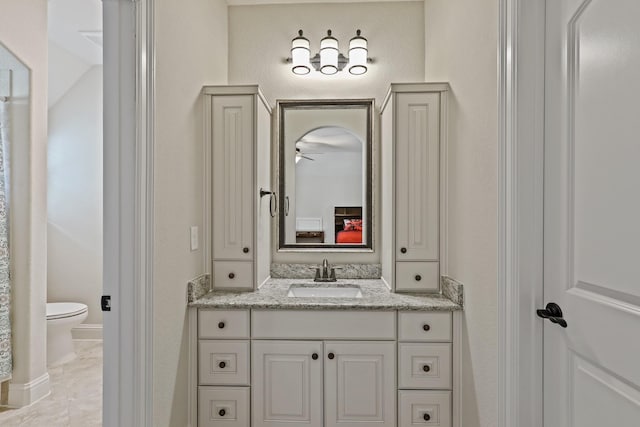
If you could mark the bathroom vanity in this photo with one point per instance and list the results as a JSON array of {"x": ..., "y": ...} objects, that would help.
[{"x": 271, "y": 347}]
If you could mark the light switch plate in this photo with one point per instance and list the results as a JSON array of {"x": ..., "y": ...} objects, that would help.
[{"x": 194, "y": 238}]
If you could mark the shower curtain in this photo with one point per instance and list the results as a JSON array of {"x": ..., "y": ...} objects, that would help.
[{"x": 5, "y": 287}]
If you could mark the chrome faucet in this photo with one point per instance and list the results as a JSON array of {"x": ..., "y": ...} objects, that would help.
[{"x": 327, "y": 274}]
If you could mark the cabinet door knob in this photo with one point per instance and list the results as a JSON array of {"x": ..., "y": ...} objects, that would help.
[
  {"x": 221, "y": 325},
  {"x": 331, "y": 356},
  {"x": 232, "y": 275},
  {"x": 403, "y": 250},
  {"x": 426, "y": 327},
  {"x": 245, "y": 250},
  {"x": 222, "y": 412},
  {"x": 222, "y": 365},
  {"x": 418, "y": 277},
  {"x": 426, "y": 417},
  {"x": 426, "y": 368},
  {"x": 314, "y": 356}
]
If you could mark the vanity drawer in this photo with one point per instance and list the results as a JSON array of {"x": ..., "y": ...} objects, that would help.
[
  {"x": 417, "y": 276},
  {"x": 424, "y": 365},
  {"x": 296, "y": 324},
  {"x": 424, "y": 326},
  {"x": 233, "y": 275},
  {"x": 424, "y": 408},
  {"x": 223, "y": 406},
  {"x": 223, "y": 362},
  {"x": 223, "y": 324}
]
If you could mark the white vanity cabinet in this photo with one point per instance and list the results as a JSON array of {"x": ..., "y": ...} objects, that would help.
[
  {"x": 255, "y": 368},
  {"x": 237, "y": 146},
  {"x": 287, "y": 383},
  {"x": 413, "y": 132},
  {"x": 289, "y": 378}
]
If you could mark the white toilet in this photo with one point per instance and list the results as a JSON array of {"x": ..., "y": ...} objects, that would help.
[{"x": 61, "y": 318}]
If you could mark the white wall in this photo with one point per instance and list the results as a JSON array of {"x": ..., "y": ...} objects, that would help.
[
  {"x": 65, "y": 69},
  {"x": 191, "y": 51},
  {"x": 461, "y": 47},
  {"x": 74, "y": 203},
  {"x": 331, "y": 179},
  {"x": 23, "y": 31},
  {"x": 260, "y": 39}
]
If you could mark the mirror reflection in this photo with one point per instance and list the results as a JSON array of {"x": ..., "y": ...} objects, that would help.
[{"x": 325, "y": 174}]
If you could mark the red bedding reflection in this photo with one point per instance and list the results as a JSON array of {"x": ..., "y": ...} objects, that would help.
[{"x": 351, "y": 236}]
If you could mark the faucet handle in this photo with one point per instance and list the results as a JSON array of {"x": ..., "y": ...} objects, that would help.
[
  {"x": 333, "y": 274},
  {"x": 317, "y": 273}
]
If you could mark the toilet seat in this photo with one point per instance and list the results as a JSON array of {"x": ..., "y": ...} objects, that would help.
[{"x": 62, "y": 310}]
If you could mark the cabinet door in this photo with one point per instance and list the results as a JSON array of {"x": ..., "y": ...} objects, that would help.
[
  {"x": 287, "y": 383},
  {"x": 417, "y": 176},
  {"x": 360, "y": 383},
  {"x": 233, "y": 180}
]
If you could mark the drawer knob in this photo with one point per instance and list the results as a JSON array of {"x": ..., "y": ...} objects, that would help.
[
  {"x": 222, "y": 412},
  {"x": 403, "y": 250},
  {"x": 221, "y": 325},
  {"x": 426, "y": 417},
  {"x": 426, "y": 368},
  {"x": 222, "y": 365},
  {"x": 426, "y": 327},
  {"x": 418, "y": 277},
  {"x": 331, "y": 356},
  {"x": 314, "y": 356},
  {"x": 245, "y": 250},
  {"x": 232, "y": 275}
]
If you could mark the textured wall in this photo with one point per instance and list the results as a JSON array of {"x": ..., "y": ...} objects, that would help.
[
  {"x": 260, "y": 39},
  {"x": 191, "y": 51},
  {"x": 461, "y": 47}
]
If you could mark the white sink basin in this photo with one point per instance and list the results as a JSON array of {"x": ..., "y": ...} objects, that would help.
[{"x": 324, "y": 291}]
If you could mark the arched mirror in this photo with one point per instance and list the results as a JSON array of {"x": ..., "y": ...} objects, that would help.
[{"x": 325, "y": 161}]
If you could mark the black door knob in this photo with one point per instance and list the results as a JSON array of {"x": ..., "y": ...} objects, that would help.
[
  {"x": 552, "y": 312},
  {"x": 245, "y": 250},
  {"x": 221, "y": 325},
  {"x": 418, "y": 277},
  {"x": 232, "y": 275},
  {"x": 426, "y": 368},
  {"x": 426, "y": 417},
  {"x": 314, "y": 356},
  {"x": 426, "y": 327},
  {"x": 222, "y": 365},
  {"x": 222, "y": 412},
  {"x": 331, "y": 356},
  {"x": 403, "y": 250}
]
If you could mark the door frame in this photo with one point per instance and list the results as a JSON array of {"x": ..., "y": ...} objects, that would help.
[
  {"x": 129, "y": 64},
  {"x": 129, "y": 226},
  {"x": 521, "y": 80}
]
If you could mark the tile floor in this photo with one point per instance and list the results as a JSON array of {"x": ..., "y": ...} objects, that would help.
[{"x": 76, "y": 394}]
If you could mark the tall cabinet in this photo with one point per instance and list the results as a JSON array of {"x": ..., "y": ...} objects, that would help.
[
  {"x": 238, "y": 121},
  {"x": 413, "y": 141}
]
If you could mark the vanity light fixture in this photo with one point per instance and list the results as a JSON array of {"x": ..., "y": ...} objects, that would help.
[
  {"x": 329, "y": 60},
  {"x": 300, "y": 54}
]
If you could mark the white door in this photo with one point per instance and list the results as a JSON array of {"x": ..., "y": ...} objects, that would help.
[
  {"x": 287, "y": 383},
  {"x": 592, "y": 213},
  {"x": 360, "y": 384}
]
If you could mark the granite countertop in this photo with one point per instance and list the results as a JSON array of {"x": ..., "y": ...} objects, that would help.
[{"x": 375, "y": 296}]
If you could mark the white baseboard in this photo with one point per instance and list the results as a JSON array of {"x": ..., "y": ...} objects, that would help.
[
  {"x": 25, "y": 394},
  {"x": 87, "y": 331}
]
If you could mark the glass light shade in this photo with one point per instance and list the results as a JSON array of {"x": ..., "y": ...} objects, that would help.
[
  {"x": 358, "y": 54},
  {"x": 300, "y": 54},
  {"x": 329, "y": 54}
]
